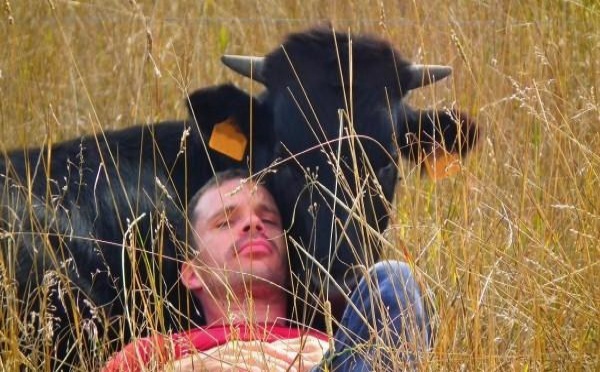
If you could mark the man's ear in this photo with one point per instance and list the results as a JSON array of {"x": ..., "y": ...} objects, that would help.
[{"x": 190, "y": 277}]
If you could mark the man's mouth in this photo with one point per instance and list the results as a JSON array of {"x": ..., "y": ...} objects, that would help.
[{"x": 255, "y": 247}]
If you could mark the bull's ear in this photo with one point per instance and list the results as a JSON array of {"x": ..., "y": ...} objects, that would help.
[
  {"x": 235, "y": 123},
  {"x": 223, "y": 115},
  {"x": 213, "y": 105},
  {"x": 422, "y": 132},
  {"x": 458, "y": 132}
]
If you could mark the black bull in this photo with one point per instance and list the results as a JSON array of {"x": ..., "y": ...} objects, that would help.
[{"x": 99, "y": 217}]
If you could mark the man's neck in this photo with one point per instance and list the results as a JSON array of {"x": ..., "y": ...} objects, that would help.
[{"x": 261, "y": 305}]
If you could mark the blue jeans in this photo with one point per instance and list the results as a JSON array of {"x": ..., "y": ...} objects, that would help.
[{"x": 385, "y": 327}]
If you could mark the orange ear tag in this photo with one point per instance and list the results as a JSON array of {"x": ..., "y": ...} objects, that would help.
[
  {"x": 227, "y": 139},
  {"x": 441, "y": 164}
]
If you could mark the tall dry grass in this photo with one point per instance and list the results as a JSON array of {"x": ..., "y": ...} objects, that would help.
[{"x": 509, "y": 247}]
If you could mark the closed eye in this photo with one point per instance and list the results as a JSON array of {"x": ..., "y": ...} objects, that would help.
[
  {"x": 223, "y": 222},
  {"x": 271, "y": 220}
]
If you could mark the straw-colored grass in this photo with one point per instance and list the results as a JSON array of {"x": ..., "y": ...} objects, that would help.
[{"x": 510, "y": 246}]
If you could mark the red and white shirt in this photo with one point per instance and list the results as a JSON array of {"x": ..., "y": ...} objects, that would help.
[{"x": 300, "y": 345}]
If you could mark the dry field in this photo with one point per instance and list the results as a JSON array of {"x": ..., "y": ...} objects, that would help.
[{"x": 510, "y": 246}]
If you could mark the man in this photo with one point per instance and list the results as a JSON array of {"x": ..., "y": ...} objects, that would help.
[{"x": 239, "y": 272}]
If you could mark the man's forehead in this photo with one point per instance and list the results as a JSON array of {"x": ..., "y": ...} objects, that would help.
[{"x": 229, "y": 192}]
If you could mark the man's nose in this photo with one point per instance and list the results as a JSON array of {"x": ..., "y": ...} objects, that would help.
[{"x": 253, "y": 223}]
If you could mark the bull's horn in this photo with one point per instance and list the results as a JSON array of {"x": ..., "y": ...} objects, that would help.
[
  {"x": 423, "y": 75},
  {"x": 251, "y": 67}
]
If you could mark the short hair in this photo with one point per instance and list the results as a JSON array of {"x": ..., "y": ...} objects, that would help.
[{"x": 215, "y": 181}]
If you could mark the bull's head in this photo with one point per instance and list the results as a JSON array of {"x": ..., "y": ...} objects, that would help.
[{"x": 339, "y": 120}]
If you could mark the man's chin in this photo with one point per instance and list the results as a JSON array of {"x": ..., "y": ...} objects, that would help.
[
  {"x": 257, "y": 267},
  {"x": 262, "y": 271}
]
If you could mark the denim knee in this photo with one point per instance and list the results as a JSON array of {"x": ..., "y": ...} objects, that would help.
[
  {"x": 393, "y": 269},
  {"x": 398, "y": 287},
  {"x": 387, "y": 303}
]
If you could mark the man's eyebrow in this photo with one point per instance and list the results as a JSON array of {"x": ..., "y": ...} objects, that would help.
[
  {"x": 226, "y": 210},
  {"x": 267, "y": 207}
]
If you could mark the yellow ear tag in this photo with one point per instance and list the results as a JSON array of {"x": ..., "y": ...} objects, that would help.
[
  {"x": 441, "y": 164},
  {"x": 227, "y": 139}
]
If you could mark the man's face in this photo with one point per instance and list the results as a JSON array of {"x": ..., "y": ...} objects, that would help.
[{"x": 239, "y": 236}]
